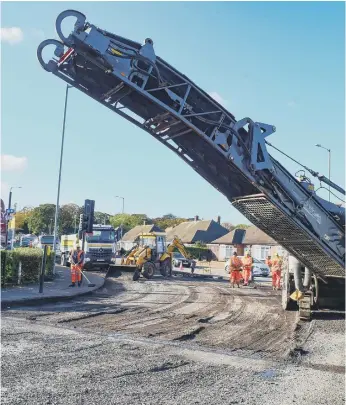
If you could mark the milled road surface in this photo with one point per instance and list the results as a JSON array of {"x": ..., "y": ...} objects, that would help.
[{"x": 178, "y": 341}]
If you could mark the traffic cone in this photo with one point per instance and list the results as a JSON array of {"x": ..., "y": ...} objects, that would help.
[{"x": 181, "y": 266}]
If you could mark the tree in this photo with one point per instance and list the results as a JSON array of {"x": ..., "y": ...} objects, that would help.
[
  {"x": 242, "y": 226},
  {"x": 169, "y": 216},
  {"x": 68, "y": 218},
  {"x": 22, "y": 218},
  {"x": 168, "y": 221},
  {"x": 41, "y": 218},
  {"x": 101, "y": 218},
  {"x": 129, "y": 221},
  {"x": 228, "y": 226}
]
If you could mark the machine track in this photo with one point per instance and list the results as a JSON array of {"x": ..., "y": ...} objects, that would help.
[{"x": 209, "y": 313}]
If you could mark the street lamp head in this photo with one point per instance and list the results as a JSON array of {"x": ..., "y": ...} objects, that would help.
[{"x": 318, "y": 145}]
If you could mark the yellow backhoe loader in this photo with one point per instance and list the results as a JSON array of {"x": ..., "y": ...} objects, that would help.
[{"x": 151, "y": 254}]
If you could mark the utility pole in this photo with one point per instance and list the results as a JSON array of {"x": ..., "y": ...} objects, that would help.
[
  {"x": 60, "y": 167},
  {"x": 8, "y": 213}
]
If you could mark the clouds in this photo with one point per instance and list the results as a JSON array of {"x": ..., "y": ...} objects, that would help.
[
  {"x": 11, "y": 35},
  {"x": 10, "y": 163},
  {"x": 15, "y": 35},
  {"x": 216, "y": 96}
]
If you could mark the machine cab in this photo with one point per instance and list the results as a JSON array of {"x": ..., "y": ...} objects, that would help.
[{"x": 156, "y": 241}]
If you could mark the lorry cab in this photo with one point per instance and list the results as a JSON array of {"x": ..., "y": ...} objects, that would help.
[{"x": 100, "y": 247}]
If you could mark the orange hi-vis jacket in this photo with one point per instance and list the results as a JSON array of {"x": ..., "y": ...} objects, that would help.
[
  {"x": 236, "y": 263},
  {"x": 276, "y": 264},
  {"x": 247, "y": 263},
  {"x": 78, "y": 258}
]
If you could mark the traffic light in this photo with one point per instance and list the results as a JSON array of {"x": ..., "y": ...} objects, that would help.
[
  {"x": 81, "y": 221},
  {"x": 81, "y": 226},
  {"x": 88, "y": 215}
]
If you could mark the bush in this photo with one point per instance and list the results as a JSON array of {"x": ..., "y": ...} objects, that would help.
[
  {"x": 31, "y": 260},
  {"x": 198, "y": 253}
]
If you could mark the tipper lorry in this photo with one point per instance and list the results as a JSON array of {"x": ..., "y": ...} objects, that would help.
[{"x": 99, "y": 247}]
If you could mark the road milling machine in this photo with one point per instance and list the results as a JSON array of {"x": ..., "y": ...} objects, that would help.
[{"x": 232, "y": 155}]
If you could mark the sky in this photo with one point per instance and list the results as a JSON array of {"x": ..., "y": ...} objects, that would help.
[{"x": 280, "y": 63}]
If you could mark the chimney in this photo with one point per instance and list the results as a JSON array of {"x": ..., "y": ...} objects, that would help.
[
  {"x": 218, "y": 219},
  {"x": 196, "y": 218}
]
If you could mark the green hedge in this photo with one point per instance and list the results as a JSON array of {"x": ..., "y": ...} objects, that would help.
[
  {"x": 198, "y": 253},
  {"x": 31, "y": 260}
]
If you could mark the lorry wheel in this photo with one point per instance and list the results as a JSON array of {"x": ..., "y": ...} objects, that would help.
[
  {"x": 166, "y": 269},
  {"x": 148, "y": 270}
]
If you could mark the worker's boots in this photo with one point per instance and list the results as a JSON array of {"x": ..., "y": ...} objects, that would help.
[
  {"x": 79, "y": 283},
  {"x": 72, "y": 285}
]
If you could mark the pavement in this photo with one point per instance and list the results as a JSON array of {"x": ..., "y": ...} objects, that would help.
[{"x": 58, "y": 289}]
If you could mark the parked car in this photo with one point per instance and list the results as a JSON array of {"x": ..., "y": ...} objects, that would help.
[
  {"x": 179, "y": 258},
  {"x": 259, "y": 269}
]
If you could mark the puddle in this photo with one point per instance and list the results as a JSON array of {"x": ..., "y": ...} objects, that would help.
[{"x": 268, "y": 374}]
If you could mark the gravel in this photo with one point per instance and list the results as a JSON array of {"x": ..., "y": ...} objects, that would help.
[{"x": 46, "y": 360}]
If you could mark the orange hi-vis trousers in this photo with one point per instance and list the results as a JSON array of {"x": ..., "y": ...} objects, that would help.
[
  {"x": 276, "y": 278},
  {"x": 235, "y": 276},
  {"x": 76, "y": 273},
  {"x": 246, "y": 274}
]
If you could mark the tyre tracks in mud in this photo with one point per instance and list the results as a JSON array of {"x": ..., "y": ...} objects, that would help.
[{"x": 245, "y": 320}]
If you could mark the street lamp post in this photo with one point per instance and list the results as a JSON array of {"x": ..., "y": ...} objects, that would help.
[
  {"x": 9, "y": 207},
  {"x": 122, "y": 221},
  {"x": 59, "y": 180},
  {"x": 329, "y": 161}
]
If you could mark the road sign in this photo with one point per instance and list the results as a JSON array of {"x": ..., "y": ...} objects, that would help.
[{"x": 10, "y": 210}]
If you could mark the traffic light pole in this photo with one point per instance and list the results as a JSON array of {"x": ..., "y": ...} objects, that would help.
[{"x": 83, "y": 241}]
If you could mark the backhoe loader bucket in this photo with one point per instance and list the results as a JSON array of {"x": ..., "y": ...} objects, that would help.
[{"x": 116, "y": 270}]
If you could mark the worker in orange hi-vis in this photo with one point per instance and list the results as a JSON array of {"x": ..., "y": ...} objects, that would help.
[
  {"x": 77, "y": 259},
  {"x": 247, "y": 266},
  {"x": 269, "y": 263},
  {"x": 276, "y": 271},
  {"x": 235, "y": 265}
]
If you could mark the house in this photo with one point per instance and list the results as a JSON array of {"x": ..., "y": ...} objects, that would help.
[
  {"x": 224, "y": 247},
  {"x": 253, "y": 239},
  {"x": 197, "y": 230},
  {"x": 260, "y": 244},
  {"x": 127, "y": 241}
]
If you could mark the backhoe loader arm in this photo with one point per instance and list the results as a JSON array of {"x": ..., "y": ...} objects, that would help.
[{"x": 177, "y": 243}]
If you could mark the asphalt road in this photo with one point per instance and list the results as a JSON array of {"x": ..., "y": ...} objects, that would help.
[{"x": 178, "y": 341}]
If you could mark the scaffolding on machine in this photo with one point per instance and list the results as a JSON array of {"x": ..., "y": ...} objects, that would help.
[{"x": 230, "y": 154}]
